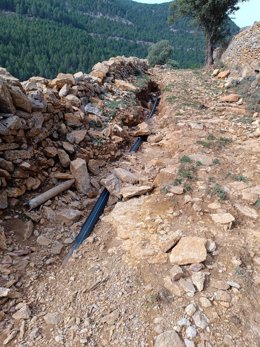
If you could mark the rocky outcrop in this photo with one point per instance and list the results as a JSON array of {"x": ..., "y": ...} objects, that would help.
[
  {"x": 243, "y": 53},
  {"x": 47, "y": 124}
]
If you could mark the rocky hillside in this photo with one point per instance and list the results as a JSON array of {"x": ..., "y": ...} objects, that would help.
[
  {"x": 174, "y": 260},
  {"x": 243, "y": 53},
  {"x": 44, "y": 38},
  {"x": 173, "y": 265}
]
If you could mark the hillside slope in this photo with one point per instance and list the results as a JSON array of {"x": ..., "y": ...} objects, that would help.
[
  {"x": 44, "y": 38},
  {"x": 130, "y": 285}
]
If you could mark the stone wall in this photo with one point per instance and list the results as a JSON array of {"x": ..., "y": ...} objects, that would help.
[{"x": 44, "y": 124}]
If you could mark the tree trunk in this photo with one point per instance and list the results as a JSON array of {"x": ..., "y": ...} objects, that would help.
[{"x": 210, "y": 50}]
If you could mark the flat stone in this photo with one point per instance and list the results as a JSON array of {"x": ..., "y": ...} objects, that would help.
[
  {"x": 176, "y": 273},
  {"x": 124, "y": 85},
  {"x": 3, "y": 199},
  {"x": 64, "y": 158},
  {"x": 170, "y": 242},
  {"x": 187, "y": 285},
  {"x": 222, "y": 218},
  {"x": 219, "y": 284},
  {"x": 73, "y": 119},
  {"x": 50, "y": 152},
  {"x": 189, "y": 343},
  {"x": 113, "y": 185},
  {"x": 28, "y": 230},
  {"x": 131, "y": 191},
  {"x": 198, "y": 279},
  {"x": 234, "y": 284},
  {"x": 18, "y": 154},
  {"x": 53, "y": 318},
  {"x": 166, "y": 176},
  {"x": 223, "y": 74},
  {"x": 16, "y": 192},
  {"x": 68, "y": 147},
  {"x": 89, "y": 108},
  {"x": 196, "y": 267},
  {"x": 191, "y": 332},
  {"x": 177, "y": 190},
  {"x": 214, "y": 206},
  {"x": 211, "y": 246},
  {"x": 247, "y": 211},
  {"x": 73, "y": 100},
  {"x": 142, "y": 130},
  {"x": 173, "y": 287},
  {"x": 168, "y": 339},
  {"x": 200, "y": 320},
  {"x": 215, "y": 72},
  {"x": 61, "y": 80},
  {"x": 222, "y": 295},
  {"x": 250, "y": 197},
  {"x": 79, "y": 171},
  {"x": 189, "y": 250},
  {"x": 4, "y": 292},
  {"x": 204, "y": 302},
  {"x": 126, "y": 176},
  {"x": 183, "y": 322},
  {"x": 64, "y": 91},
  {"x": 76, "y": 136},
  {"x": 230, "y": 98},
  {"x": 43, "y": 241},
  {"x": 32, "y": 183},
  {"x": 68, "y": 216},
  {"x": 56, "y": 248},
  {"x": 23, "y": 313},
  {"x": 190, "y": 310},
  {"x": 20, "y": 99},
  {"x": 6, "y": 102},
  {"x": 6, "y": 165}
]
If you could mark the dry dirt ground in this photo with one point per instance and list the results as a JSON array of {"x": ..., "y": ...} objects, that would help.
[{"x": 121, "y": 288}]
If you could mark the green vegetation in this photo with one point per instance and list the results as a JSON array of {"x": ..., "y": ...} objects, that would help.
[
  {"x": 237, "y": 177},
  {"x": 215, "y": 143},
  {"x": 171, "y": 99},
  {"x": 141, "y": 81},
  {"x": 159, "y": 53},
  {"x": 46, "y": 37},
  {"x": 186, "y": 173},
  {"x": 211, "y": 15},
  {"x": 185, "y": 159},
  {"x": 168, "y": 88},
  {"x": 216, "y": 161},
  {"x": 257, "y": 204},
  {"x": 219, "y": 191},
  {"x": 173, "y": 64}
]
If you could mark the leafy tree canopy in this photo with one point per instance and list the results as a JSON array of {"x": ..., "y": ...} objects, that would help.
[
  {"x": 211, "y": 15},
  {"x": 159, "y": 53}
]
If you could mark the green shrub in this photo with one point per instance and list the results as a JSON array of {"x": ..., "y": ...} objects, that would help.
[{"x": 159, "y": 53}]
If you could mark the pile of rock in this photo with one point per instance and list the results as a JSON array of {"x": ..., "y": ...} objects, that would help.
[
  {"x": 45, "y": 124},
  {"x": 243, "y": 53}
]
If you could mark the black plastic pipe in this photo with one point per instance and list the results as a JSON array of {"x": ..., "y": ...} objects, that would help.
[{"x": 100, "y": 205}]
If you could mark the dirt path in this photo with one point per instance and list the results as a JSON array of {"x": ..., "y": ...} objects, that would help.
[{"x": 124, "y": 286}]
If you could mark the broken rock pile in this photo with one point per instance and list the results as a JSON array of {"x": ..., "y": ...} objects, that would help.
[{"x": 45, "y": 125}]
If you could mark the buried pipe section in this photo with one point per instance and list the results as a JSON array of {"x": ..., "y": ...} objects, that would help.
[{"x": 100, "y": 205}]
